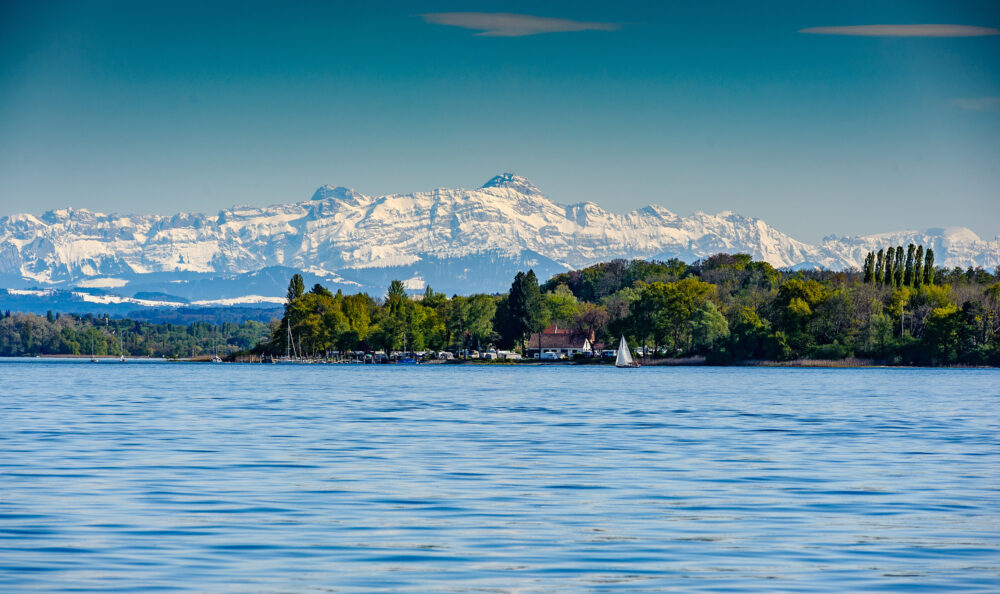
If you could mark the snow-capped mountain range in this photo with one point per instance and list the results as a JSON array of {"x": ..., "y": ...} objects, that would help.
[{"x": 459, "y": 241}]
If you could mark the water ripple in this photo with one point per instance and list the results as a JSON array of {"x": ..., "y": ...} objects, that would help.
[{"x": 528, "y": 479}]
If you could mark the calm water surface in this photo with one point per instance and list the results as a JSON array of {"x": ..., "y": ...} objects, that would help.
[{"x": 144, "y": 476}]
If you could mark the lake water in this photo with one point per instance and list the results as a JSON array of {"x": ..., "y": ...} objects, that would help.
[{"x": 270, "y": 478}]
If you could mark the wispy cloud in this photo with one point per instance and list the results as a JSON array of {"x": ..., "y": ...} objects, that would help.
[
  {"x": 904, "y": 31},
  {"x": 505, "y": 24},
  {"x": 977, "y": 104}
]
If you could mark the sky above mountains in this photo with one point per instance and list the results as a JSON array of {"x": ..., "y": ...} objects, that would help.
[{"x": 819, "y": 117}]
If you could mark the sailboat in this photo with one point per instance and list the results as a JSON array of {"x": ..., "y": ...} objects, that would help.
[
  {"x": 624, "y": 358},
  {"x": 292, "y": 354},
  {"x": 216, "y": 358},
  {"x": 405, "y": 359},
  {"x": 93, "y": 357},
  {"x": 121, "y": 346}
]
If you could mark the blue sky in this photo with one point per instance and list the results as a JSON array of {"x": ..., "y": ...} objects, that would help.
[{"x": 171, "y": 106}]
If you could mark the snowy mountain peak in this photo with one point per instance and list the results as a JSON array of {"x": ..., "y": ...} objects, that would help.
[
  {"x": 513, "y": 181},
  {"x": 458, "y": 240},
  {"x": 957, "y": 234},
  {"x": 338, "y": 192}
]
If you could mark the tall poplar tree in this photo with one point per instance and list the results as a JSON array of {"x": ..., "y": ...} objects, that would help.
[
  {"x": 911, "y": 250},
  {"x": 890, "y": 259},
  {"x": 929, "y": 267},
  {"x": 897, "y": 267},
  {"x": 879, "y": 267},
  {"x": 918, "y": 267},
  {"x": 869, "y": 267}
]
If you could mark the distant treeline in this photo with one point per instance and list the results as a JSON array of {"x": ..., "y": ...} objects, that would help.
[
  {"x": 59, "y": 334},
  {"x": 728, "y": 308}
]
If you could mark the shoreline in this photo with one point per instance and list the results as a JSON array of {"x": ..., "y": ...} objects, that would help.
[
  {"x": 88, "y": 356},
  {"x": 698, "y": 361}
]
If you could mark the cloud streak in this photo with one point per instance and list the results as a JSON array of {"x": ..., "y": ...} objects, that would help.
[
  {"x": 505, "y": 24},
  {"x": 977, "y": 104},
  {"x": 904, "y": 31}
]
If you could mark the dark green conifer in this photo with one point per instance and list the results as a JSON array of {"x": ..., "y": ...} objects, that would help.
[
  {"x": 929, "y": 267},
  {"x": 879, "y": 267},
  {"x": 525, "y": 308},
  {"x": 296, "y": 287}
]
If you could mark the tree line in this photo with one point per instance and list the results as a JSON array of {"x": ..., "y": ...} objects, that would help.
[
  {"x": 25, "y": 334},
  {"x": 727, "y": 308}
]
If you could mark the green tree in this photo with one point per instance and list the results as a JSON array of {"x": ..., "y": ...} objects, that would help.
[
  {"x": 750, "y": 337},
  {"x": 878, "y": 334},
  {"x": 592, "y": 319},
  {"x": 454, "y": 317},
  {"x": 890, "y": 261},
  {"x": 911, "y": 251},
  {"x": 649, "y": 316},
  {"x": 897, "y": 267},
  {"x": 709, "y": 327},
  {"x": 479, "y": 319},
  {"x": 809, "y": 291},
  {"x": 319, "y": 289},
  {"x": 879, "y": 267},
  {"x": 665, "y": 309},
  {"x": 941, "y": 336},
  {"x": 836, "y": 318},
  {"x": 929, "y": 267},
  {"x": 358, "y": 309},
  {"x": 396, "y": 294},
  {"x": 562, "y": 305},
  {"x": 918, "y": 268},
  {"x": 795, "y": 304},
  {"x": 869, "y": 268},
  {"x": 524, "y": 309},
  {"x": 296, "y": 288},
  {"x": 395, "y": 323},
  {"x": 431, "y": 299}
]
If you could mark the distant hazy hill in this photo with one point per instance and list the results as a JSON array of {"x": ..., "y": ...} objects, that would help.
[{"x": 458, "y": 241}]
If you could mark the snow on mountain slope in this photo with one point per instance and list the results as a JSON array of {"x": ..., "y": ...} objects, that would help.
[{"x": 341, "y": 233}]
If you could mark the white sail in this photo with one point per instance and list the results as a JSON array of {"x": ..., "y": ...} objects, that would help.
[{"x": 624, "y": 358}]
